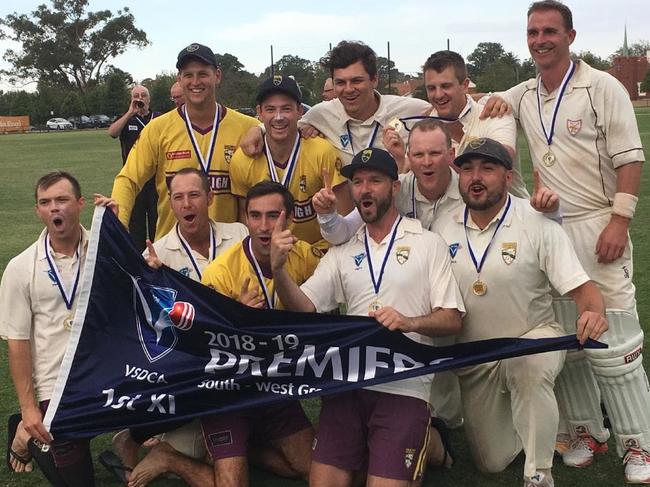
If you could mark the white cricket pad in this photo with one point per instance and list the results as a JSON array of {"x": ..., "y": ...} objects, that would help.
[
  {"x": 623, "y": 382},
  {"x": 576, "y": 390}
]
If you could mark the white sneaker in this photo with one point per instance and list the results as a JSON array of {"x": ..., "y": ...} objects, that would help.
[
  {"x": 539, "y": 480},
  {"x": 637, "y": 466},
  {"x": 582, "y": 450},
  {"x": 562, "y": 443}
]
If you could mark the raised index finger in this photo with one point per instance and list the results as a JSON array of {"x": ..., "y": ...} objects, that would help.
[
  {"x": 327, "y": 178},
  {"x": 280, "y": 223},
  {"x": 537, "y": 181}
]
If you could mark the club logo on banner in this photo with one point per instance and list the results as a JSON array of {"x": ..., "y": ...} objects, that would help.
[
  {"x": 157, "y": 303},
  {"x": 152, "y": 346}
]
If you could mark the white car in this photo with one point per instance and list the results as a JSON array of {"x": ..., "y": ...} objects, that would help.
[{"x": 58, "y": 124}]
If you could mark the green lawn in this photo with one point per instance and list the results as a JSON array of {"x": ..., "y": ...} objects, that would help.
[{"x": 95, "y": 159}]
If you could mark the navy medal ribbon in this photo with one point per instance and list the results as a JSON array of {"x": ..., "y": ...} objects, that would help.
[
  {"x": 204, "y": 160},
  {"x": 376, "y": 282},
  {"x": 68, "y": 297},
  {"x": 479, "y": 264},
  {"x": 268, "y": 298},
  {"x": 188, "y": 249},
  {"x": 371, "y": 140},
  {"x": 291, "y": 165},
  {"x": 549, "y": 132}
]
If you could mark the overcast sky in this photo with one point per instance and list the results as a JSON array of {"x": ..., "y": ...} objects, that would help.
[{"x": 415, "y": 28}]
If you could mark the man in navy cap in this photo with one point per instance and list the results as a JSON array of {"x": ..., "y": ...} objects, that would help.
[
  {"x": 506, "y": 258},
  {"x": 202, "y": 134},
  {"x": 298, "y": 164},
  {"x": 384, "y": 427}
]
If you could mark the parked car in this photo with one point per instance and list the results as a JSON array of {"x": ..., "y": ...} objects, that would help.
[
  {"x": 100, "y": 120},
  {"x": 58, "y": 124},
  {"x": 82, "y": 122}
]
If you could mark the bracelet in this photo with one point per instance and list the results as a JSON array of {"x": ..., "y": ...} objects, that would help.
[{"x": 624, "y": 205}]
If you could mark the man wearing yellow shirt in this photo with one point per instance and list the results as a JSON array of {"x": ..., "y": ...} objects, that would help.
[
  {"x": 298, "y": 164},
  {"x": 249, "y": 260},
  {"x": 284, "y": 428},
  {"x": 202, "y": 134}
]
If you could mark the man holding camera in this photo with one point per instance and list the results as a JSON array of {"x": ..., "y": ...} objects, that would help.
[{"x": 128, "y": 128}]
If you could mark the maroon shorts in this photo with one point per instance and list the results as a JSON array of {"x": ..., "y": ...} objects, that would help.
[
  {"x": 227, "y": 435},
  {"x": 67, "y": 453},
  {"x": 387, "y": 432}
]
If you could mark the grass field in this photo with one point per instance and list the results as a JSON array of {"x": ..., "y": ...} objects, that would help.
[{"x": 95, "y": 159}]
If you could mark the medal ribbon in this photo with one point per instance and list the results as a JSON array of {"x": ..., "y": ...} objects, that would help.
[
  {"x": 188, "y": 249},
  {"x": 68, "y": 298},
  {"x": 371, "y": 140},
  {"x": 466, "y": 110},
  {"x": 548, "y": 133},
  {"x": 479, "y": 265},
  {"x": 203, "y": 160},
  {"x": 377, "y": 282},
  {"x": 291, "y": 165},
  {"x": 269, "y": 299}
]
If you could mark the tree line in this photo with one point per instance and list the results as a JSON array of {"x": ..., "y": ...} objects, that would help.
[{"x": 66, "y": 50}]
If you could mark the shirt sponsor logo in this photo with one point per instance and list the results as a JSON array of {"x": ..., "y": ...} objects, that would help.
[
  {"x": 573, "y": 126},
  {"x": 508, "y": 252},
  {"x": 219, "y": 182},
  {"x": 178, "y": 154},
  {"x": 133, "y": 128},
  {"x": 303, "y": 211},
  {"x": 453, "y": 249}
]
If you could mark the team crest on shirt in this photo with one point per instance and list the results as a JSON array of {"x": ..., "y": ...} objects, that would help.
[
  {"x": 409, "y": 456},
  {"x": 338, "y": 164},
  {"x": 185, "y": 271},
  {"x": 303, "y": 183},
  {"x": 345, "y": 140},
  {"x": 228, "y": 151},
  {"x": 402, "y": 254},
  {"x": 508, "y": 252},
  {"x": 573, "y": 126},
  {"x": 453, "y": 249},
  {"x": 358, "y": 259}
]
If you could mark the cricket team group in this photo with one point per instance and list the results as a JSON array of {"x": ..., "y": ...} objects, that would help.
[{"x": 411, "y": 212}]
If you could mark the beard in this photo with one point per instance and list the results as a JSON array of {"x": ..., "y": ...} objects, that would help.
[
  {"x": 489, "y": 200},
  {"x": 382, "y": 206}
]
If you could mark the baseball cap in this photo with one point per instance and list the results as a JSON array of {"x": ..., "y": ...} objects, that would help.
[
  {"x": 278, "y": 84},
  {"x": 487, "y": 149},
  {"x": 377, "y": 159},
  {"x": 196, "y": 51}
]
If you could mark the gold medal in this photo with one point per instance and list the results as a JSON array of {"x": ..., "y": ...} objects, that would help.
[
  {"x": 374, "y": 306},
  {"x": 67, "y": 322},
  {"x": 548, "y": 159},
  {"x": 479, "y": 287},
  {"x": 396, "y": 124}
]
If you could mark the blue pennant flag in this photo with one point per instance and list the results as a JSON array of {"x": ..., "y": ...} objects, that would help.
[{"x": 152, "y": 346}]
